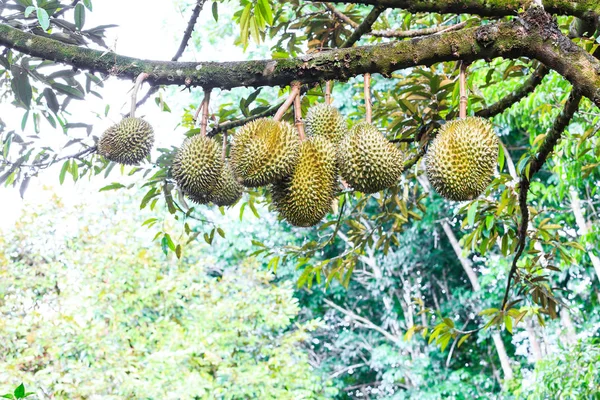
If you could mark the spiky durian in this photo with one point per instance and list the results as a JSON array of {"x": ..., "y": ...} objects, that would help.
[
  {"x": 325, "y": 120},
  {"x": 128, "y": 142},
  {"x": 460, "y": 160},
  {"x": 227, "y": 190},
  {"x": 368, "y": 162},
  {"x": 197, "y": 166},
  {"x": 305, "y": 197},
  {"x": 264, "y": 151}
]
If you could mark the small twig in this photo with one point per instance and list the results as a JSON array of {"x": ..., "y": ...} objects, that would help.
[
  {"x": 462, "y": 111},
  {"x": 204, "y": 105},
  {"x": 552, "y": 137},
  {"x": 138, "y": 82},
  {"x": 46, "y": 164},
  {"x": 295, "y": 91},
  {"x": 341, "y": 16},
  {"x": 455, "y": 341},
  {"x": 298, "y": 117},
  {"x": 529, "y": 86},
  {"x": 367, "y": 91},
  {"x": 187, "y": 34}
]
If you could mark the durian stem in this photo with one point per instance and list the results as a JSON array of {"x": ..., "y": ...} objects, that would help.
[
  {"x": 288, "y": 102},
  {"x": 198, "y": 111},
  {"x": 328, "y": 86},
  {"x": 224, "y": 155},
  {"x": 138, "y": 82},
  {"x": 462, "y": 110},
  {"x": 298, "y": 117},
  {"x": 369, "y": 111},
  {"x": 204, "y": 105}
]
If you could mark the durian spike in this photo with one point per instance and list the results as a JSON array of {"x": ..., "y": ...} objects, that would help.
[
  {"x": 295, "y": 91},
  {"x": 204, "y": 105},
  {"x": 328, "y": 87},
  {"x": 138, "y": 82},
  {"x": 462, "y": 110},
  {"x": 298, "y": 117},
  {"x": 369, "y": 111}
]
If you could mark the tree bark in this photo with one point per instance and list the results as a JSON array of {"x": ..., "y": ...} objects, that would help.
[
  {"x": 567, "y": 323},
  {"x": 536, "y": 350},
  {"x": 535, "y": 35}
]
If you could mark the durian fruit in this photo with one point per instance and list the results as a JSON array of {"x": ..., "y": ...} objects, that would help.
[
  {"x": 368, "y": 162},
  {"x": 128, "y": 142},
  {"x": 305, "y": 197},
  {"x": 264, "y": 151},
  {"x": 197, "y": 166},
  {"x": 227, "y": 190},
  {"x": 325, "y": 120},
  {"x": 461, "y": 159}
]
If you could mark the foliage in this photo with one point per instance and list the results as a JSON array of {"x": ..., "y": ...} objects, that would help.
[{"x": 99, "y": 311}]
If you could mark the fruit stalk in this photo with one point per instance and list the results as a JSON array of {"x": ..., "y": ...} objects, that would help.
[
  {"x": 298, "y": 117},
  {"x": 369, "y": 112},
  {"x": 204, "y": 106},
  {"x": 288, "y": 102},
  {"x": 138, "y": 82},
  {"x": 328, "y": 86},
  {"x": 462, "y": 111},
  {"x": 224, "y": 155}
]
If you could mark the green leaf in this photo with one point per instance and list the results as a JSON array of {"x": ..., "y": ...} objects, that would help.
[
  {"x": 221, "y": 232},
  {"x": 79, "y": 16},
  {"x": 43, "y": 18},
  {"x": 7, "y": 396},
  {"x": 68, "y": 90},
  {"x": 509, "y": 323},
  {"x": 112, "y": 186},
  {"x": 245, "y": 25},
  {"x": 20, "y": 392},
  {"x": 265, "y": 10},
  {"x": 74, "y": 170},
  {"x": 28, "y": 11},
  {"x": 88, "y": 4},
  {"x": 471, "y": 213},
  {"x": 215, "y": 11},
  {"x": 21, "y": 86},
  {"x": 63, "y": 172},
  {"x": 170, "y": 243},
  {"x": 178, "y": 251},
  {"x": 51, "y": 100},
  {"x": 462, "y": 339}
]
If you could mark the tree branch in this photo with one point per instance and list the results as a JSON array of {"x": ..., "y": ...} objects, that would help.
[
  {"x": 588, "y": 10},
  {"x": 529, "y": 86},
  {"x": 401, "y": 34},
  {"x": 363, "y": 321},
  {"x": 534, "y": 36},
  {"x": 364, "y": 27},
  {"x": 560, "y": 124},
  {"x": 187, "y": 35},
  {"x": 341, "y": 16}
]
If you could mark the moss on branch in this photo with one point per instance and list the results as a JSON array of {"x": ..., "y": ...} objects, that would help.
[{"x": 534, "y": 36}]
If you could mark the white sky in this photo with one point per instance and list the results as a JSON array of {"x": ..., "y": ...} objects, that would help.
[{"x": 149, "y": 29}]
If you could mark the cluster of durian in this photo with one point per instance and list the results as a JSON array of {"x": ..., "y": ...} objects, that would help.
[
  {"x": 203, "y": 174},
  {"x": 303, "y": 175},
  {"x": 461, "y": 159}
]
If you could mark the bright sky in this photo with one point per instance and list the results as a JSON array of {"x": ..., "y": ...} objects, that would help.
[{"x": 149, "y": 29}]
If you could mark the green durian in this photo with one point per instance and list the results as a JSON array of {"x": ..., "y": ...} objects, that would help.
[
  {"x": 326, "y": 121},
  {"x": 368, "y": 162},
  {"x": 461, "y": 159},
  {"x": 128, "y": 142},
  {"x": 197, "y": 166},
  {"x": 305, "y": 197},
  {"x": 264, "y": 151}
]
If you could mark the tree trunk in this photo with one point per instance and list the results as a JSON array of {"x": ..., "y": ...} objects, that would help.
[
  {"x": 536, "y": 350},
  {"x": 567, "y": 323},
  {"x": 583, "y": 228},
  {"x": 504, "y": 360}
]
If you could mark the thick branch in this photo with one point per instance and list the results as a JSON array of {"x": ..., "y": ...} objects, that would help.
[
  {"x": 552, "y": 137},
  {"x": 534, "y": 36},
  {"x": 529, "y": 86},
  {"x": 588, "y": 10}
]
